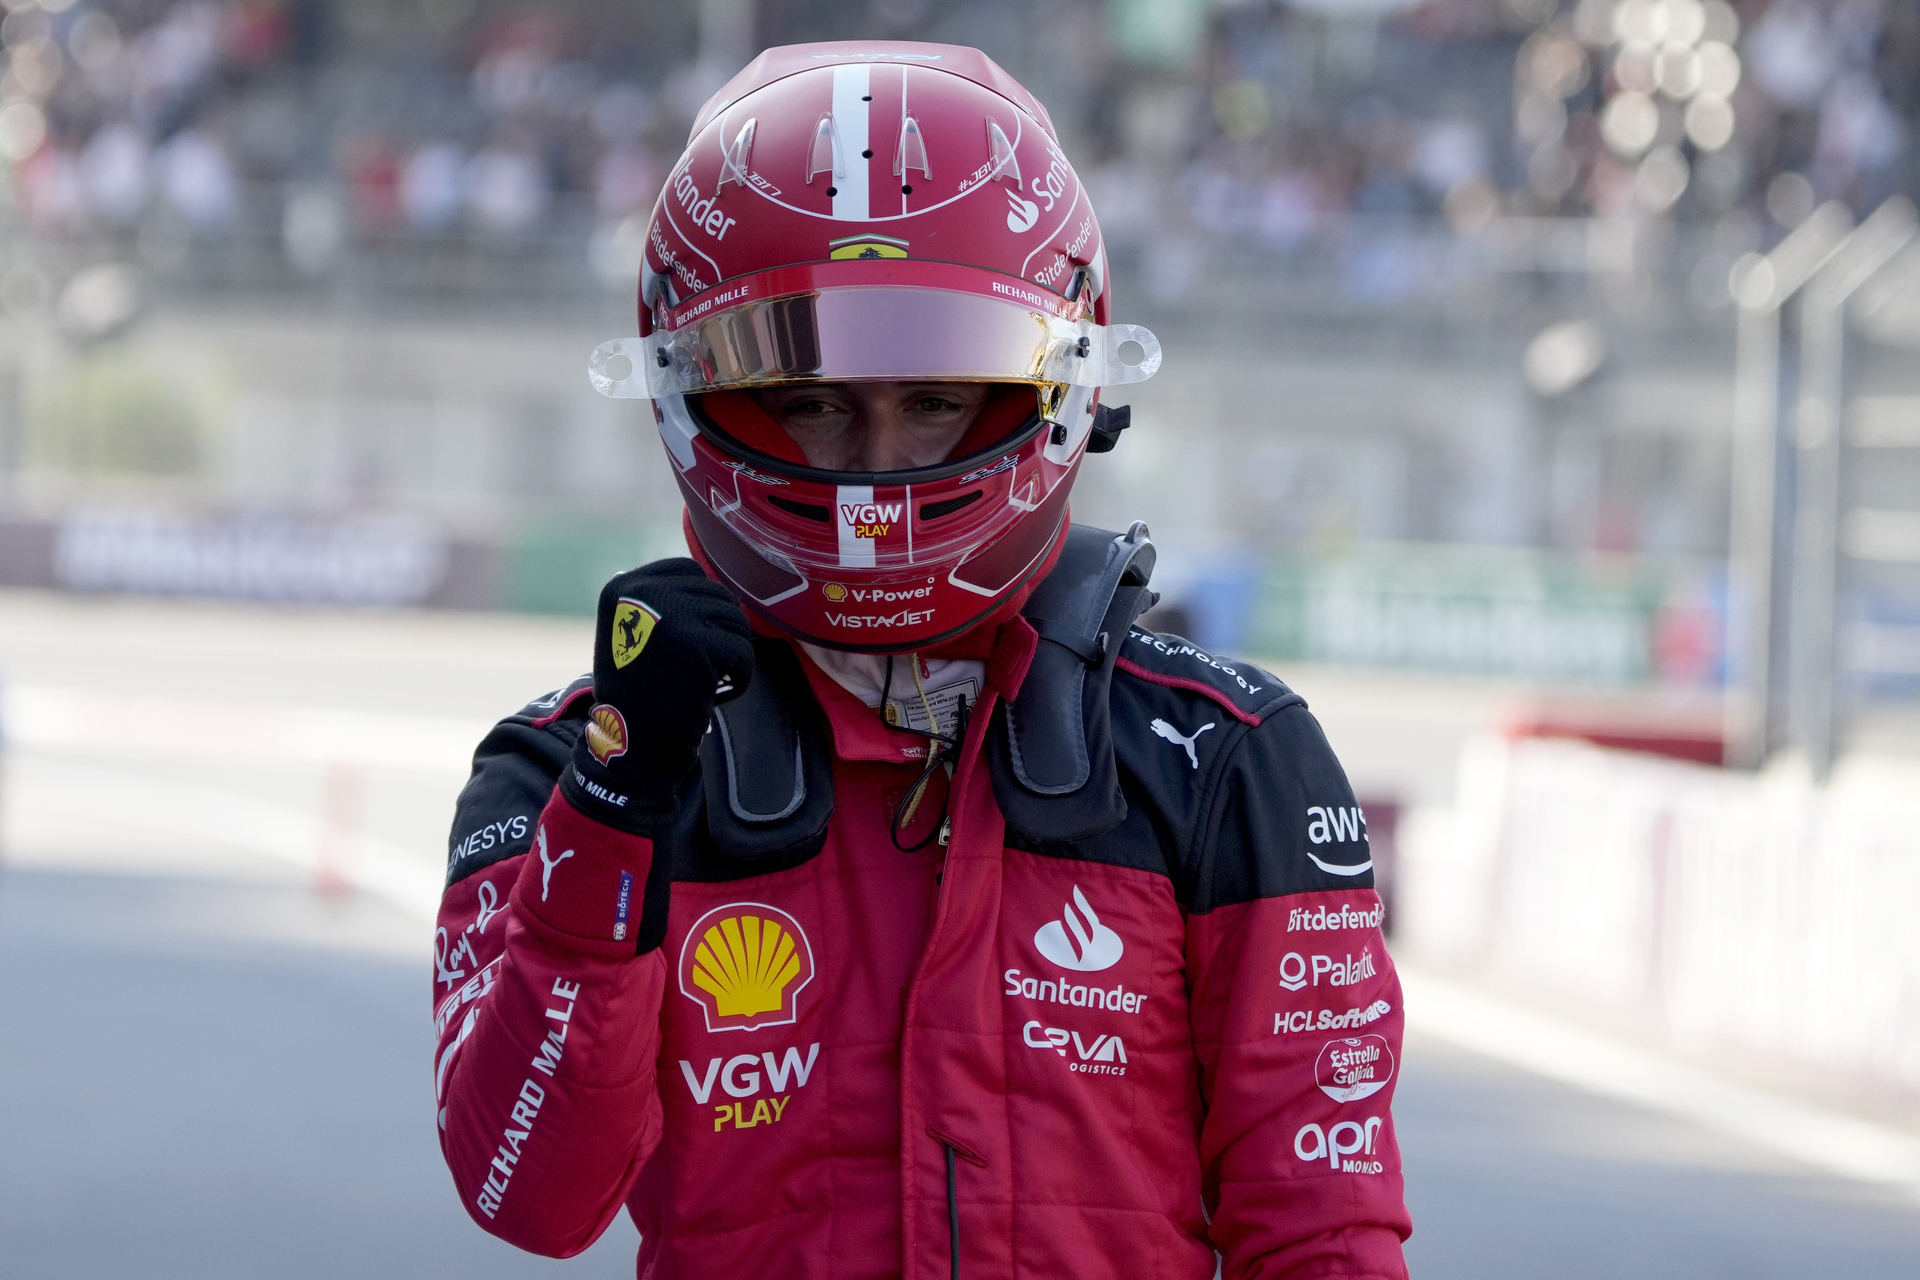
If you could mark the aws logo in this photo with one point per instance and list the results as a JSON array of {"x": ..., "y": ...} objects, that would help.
[
  {"x": 1337, "y": 825},
  {"x": 745, "y": 964}
]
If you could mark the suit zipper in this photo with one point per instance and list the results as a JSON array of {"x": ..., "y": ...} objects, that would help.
[
  {"x": 944, "y": 834},
  {"x": 953, "y": 1213}
]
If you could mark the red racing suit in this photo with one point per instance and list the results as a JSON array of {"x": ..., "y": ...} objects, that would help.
[{"x": 1067, "y": 1053}]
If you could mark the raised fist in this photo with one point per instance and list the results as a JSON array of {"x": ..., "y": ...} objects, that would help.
[{"x": 668, "y": 643}]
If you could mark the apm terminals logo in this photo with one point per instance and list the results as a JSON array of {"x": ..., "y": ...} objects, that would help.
[{"x": 745, "y": 965}]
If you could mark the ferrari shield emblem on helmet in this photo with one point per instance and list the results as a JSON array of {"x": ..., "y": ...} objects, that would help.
[
  {"x": 633, "y": 624},
  {"x": 867, "y": 246}
]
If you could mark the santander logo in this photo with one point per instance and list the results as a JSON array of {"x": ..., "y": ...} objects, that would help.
[
  {"x": 1092, "y": 947},
  {"x": 1021, "y": 214}
]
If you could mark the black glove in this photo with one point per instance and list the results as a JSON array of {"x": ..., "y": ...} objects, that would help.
[{"x": 668, "y": 643}]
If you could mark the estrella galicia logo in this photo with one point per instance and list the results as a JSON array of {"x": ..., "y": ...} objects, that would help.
[
  {"x": 1354, "y": 1068},
  {"x": 1092, "y": 947}
]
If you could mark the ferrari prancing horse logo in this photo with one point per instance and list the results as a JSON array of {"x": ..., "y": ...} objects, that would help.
[
  {"x": 867, "y": 247},
  {"x": 632, "y": 626}
]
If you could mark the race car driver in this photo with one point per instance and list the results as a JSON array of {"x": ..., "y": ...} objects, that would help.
[{"x": 887, "y": 902}]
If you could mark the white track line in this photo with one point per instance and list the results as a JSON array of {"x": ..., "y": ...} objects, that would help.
[
  {"x": 65, "y": 716},
  {"x": 1560, "y": 1051},
  {"x": 409, "y": 879}
]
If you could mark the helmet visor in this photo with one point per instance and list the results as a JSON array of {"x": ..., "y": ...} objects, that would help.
[
  {"x": 745, "y": 428},
  {"x": 874, "y": 334}
]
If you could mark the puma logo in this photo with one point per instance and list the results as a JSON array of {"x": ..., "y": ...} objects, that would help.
[
  {"x": 1172, "y": 734},
  {"x": 547, "y": 864}
]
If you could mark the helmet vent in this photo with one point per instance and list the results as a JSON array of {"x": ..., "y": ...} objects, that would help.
[
  {"x": 734, "y": 161},
  {"x": 911, "y": 153},
  {"x": 825, "y": 154},
  {"x": 805, "y": 510},
  {"x": 1001, "y": 156},
  {"x": 946, "y": 507}
]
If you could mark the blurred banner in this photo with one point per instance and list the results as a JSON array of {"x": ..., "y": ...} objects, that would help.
[
  {"x": 353, "y": 561},
  {"x": 538, "y": 565},
  {"x": 1496, "y": 610}
]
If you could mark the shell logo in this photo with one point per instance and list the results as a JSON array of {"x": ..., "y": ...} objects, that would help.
[
  {"x": 834, "y": 591},
  {"x": 745, "y": 965},
  {"x": 606, "y": 733}
]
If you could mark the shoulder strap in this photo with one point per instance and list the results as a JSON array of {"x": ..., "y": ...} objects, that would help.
[
  {"x": 766, "y": 767},
  {"x": 1054, "y": 773}
]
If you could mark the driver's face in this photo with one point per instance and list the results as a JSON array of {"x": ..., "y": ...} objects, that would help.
[{"x": 875, "y": 426}]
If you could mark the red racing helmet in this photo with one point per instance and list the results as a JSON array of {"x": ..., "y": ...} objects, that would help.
[{"x": 874, "y": 211}]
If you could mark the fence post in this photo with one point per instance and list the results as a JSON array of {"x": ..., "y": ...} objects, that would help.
[
  {"x": 1760, "y": 514},
  {"x": 1814, "y": 618}
]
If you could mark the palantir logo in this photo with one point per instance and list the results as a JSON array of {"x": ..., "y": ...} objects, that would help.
[{"x": 1093, "y": 945}]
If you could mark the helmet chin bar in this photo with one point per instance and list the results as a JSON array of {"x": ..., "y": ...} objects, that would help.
[
  {"x": 789, "y": 602},
  {"x": 873, "y": 563}
]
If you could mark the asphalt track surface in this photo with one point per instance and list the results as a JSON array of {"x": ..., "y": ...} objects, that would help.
[
  {"x": 212, "y": 1078},
  {"x": 214, "y": 1066}
]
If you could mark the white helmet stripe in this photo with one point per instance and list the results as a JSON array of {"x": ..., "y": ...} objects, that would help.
[
  {"x": 851, "y": 83},
  {"x": 856, "y": 552}
]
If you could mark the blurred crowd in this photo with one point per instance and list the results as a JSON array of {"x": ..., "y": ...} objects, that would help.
[
  {"x": 1277, "y": 121},
  {"x": 217, "y": 115},
  {"x": 1654, "y": 108}
]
